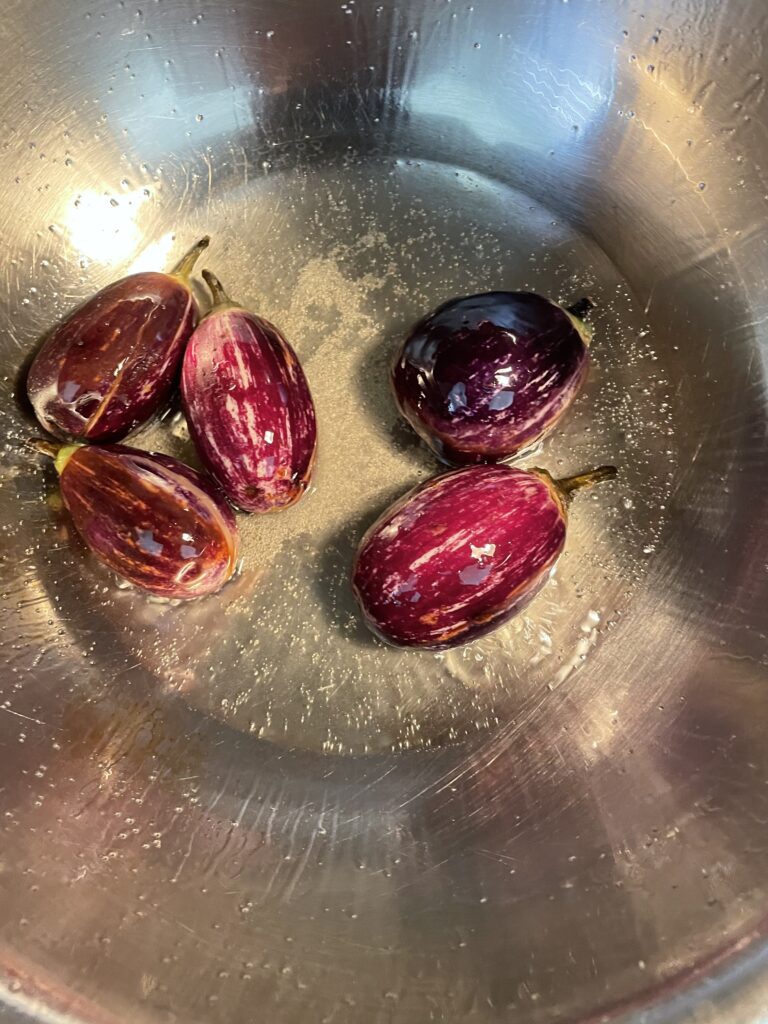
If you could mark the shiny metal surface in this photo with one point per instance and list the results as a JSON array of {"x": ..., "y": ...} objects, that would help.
[{"x": 246, "y": 809}]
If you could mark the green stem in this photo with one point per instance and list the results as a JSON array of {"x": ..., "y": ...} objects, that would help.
[
  {"x": 581, "y": 308},
  {"x": 219, "y": 296},
  {"x": 221, "y": 300},
  {"x": 577, "y": 312},
  {"x": 571, "y": 484},
  {"x": 186, "y": 264},
  {"x": 60, "y": 453},
  {"x": 39, "y": 444}
]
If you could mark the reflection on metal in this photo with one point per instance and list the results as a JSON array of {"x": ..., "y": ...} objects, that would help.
[{"x": 101, "y": 228}]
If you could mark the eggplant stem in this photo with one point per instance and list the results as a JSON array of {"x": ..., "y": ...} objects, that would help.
[
  {"x": 571, "y": 484},
  {"x": 60, "y": 453},
  {"x": 581, "y": 308},
  {"x": 186, "y": 264},
  {"x": 220, "y": 297},
  {"x": 39, "y": 444}
]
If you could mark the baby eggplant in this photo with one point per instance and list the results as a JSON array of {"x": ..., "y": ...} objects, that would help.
[
  {"x": 485, "y": 376},
  {"x": 463, "y": 553},
  {"x": 111, "y": 364},
  {"x": 151, "y": 519},
  {"x": 248, "y": 406}
]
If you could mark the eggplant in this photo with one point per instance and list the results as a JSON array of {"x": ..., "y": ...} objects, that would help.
[
  {"x": 154, "y": 521},
  {"x": 463, "y": 553},
  {"x": 111, "y": 364},
  {"x": 485, "y": 376},
  {"x": 249, "y": 407}
]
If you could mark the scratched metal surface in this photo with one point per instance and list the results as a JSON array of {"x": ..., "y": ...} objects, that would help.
[{"x": 247, "y": 809}]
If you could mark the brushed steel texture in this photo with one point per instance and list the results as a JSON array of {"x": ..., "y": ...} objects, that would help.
[{"x": 245, "y": 808}]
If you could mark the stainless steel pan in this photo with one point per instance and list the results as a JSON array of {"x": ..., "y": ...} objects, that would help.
[{"x": 244, "y": 809}]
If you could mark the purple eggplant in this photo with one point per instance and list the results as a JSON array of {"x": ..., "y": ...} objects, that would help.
[
  {"x": 485, "y": 376},
  {"x": 463, "y": 553},
  {"x": 154, "y": 521},
  {"x": 248, "y": 406},
  {"x": 112, "y": 363}
]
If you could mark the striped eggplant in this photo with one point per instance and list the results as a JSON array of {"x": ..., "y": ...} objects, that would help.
[
  {"x": 110, "y": 365},
  {"x": 485, "y": 376},
  {"x": 248, "y": 406},
  {"x": 151, "y": 519},
  {"x": 463, "y": 553}
]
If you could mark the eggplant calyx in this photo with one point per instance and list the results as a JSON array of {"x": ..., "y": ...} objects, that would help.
[
  {"x": 577, "y": 311},
  {"x": 60, "y": 453}
]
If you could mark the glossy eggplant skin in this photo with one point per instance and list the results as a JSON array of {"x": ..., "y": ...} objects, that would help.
[
  {"x": 112, "y": 363},
  {"x": 152, "y": 520},
  {"x": 485, "y": 376},
  {"x": 459, "y": 556},
  {"x": 249, "y": 409}
]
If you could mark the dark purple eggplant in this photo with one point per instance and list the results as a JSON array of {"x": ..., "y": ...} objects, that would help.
[
  {"x": 248, "y": 406},
  {"x": 111, "y": 364},
  {"x": 463, "y": 553},
  {"x": 154, "y": 521},
  {"x": 486, "y": 376}
]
